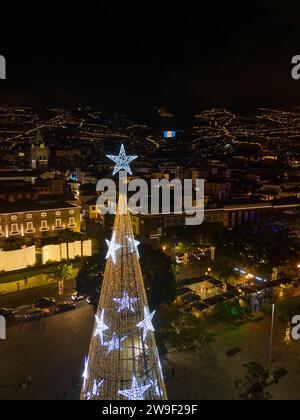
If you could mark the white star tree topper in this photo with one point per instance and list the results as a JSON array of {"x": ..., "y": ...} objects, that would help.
[
  {"x": 122, "y": 161},
  {"x": 126, "y": 302},
  {"x": 146, "y": 325},
  {"x": 100, "y": 327},
  {"x": 136, "y": 393},
  {"x": 115, "y": 343},
  {"x": 113, "y": 247},
  {"x": 133, "y": 244}
]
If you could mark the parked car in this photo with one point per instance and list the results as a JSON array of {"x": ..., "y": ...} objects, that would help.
[
  {"x": 36, "y": 314},
  {"x": 76, "y": 297},
  {"x": 7, "y": 313},
  {"x": 182, "y": 259},
  {"x": 89, "y": 300},
  {"x": 44, "y": 302},
  {"x": 200, "y": 256},
  {"x": 65, "y": 307}
]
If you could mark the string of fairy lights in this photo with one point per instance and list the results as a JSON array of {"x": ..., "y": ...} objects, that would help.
[{"x": 123, "y": 361}]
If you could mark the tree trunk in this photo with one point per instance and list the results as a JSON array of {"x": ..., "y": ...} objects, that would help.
[{"x": 61, "y": 287}]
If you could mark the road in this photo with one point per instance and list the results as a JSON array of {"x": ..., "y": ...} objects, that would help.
[
  {"x": 51, "y": 351},
  {"x": 55, "y": 120},
  {"x": 26, "y": 297}
]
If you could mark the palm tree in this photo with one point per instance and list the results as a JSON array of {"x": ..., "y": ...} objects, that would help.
[
  {"x": 78, "y": 236},
  {"x": 14, "y": 244},
  {"x": 68, "y": 236},
  {"x": 61, "y": 273}
]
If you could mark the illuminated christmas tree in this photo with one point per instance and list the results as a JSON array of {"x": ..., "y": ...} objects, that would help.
[{"x": 123, "y": 361}]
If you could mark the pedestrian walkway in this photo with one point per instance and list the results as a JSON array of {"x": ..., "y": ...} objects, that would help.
[{"x": 37, "y": 281}]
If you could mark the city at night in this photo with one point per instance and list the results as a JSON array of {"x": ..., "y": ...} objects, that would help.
[{"x": 150, "y": 204}]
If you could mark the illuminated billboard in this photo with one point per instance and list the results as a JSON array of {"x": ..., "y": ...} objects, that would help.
[{"x": 169, "y": 134}]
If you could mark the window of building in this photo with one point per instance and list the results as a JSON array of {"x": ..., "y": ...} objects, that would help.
[
  {"x": 44, "y": 215},
  {"x": 58, "y": 213},
  {"x": 72, "y": 211},
  {"x": 72, "y": 222},
  {"x": 14, "y": 229},
  {"x": 14, "y": 218},
  {"x": 58, "y": 224},
  {"x": 1, "y": 231},
  {"x": 44, "y": 225},
  {"x": 29, "y": 227},
  {"x": 29, "y": 216}
]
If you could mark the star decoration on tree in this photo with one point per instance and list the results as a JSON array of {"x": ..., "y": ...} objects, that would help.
[
  {"x": 126, "y": 302},
  {"x": 85, "y": 373},
  {"x": 146, "y": 325},
  {"x": 156, "y": 387},
  {"x": 136, "y": 393},
  {"x": 115, "y": 343},
  {"x": 133, "y": 244},
  {"x": 96, "y": 390},
  {"x": 101, "y": 327},
  {"x": 122, "y": 161},
  {"x": 113, "y": 247}
]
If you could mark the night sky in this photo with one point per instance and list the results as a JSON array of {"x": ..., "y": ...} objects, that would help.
[{"x": 132, "y": 55}]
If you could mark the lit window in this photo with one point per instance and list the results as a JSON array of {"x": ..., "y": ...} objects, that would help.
[
  {"x": 58, "y": 213},
  {"x": 44, "y": 225},
  {"x": 29, "y": 216},
  {"x": 58, "y": 224},
  {"x": 14, "y": 218},
  {"x": 72, "y": 211},
  {"x": 14, "y": 229},
  {"x": 29, "y": 227},
  {"x": 44, "y": 215},
  {"x": 72, "y": 222}
]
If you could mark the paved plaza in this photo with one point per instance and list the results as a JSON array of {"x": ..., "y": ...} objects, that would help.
[{"x": 52, "y": 352}]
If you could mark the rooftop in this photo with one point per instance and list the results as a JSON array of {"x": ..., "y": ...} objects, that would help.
[{"x": 21, "y": 206}]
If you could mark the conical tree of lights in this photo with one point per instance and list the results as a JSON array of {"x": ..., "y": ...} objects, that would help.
[{"x": 123, "y": 361}]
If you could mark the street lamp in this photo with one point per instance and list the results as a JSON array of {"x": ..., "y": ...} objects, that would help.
[{"x": 272, "y": 334}]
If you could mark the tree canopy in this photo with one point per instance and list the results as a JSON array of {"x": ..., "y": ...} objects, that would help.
[
  {"x": 260, "y": 246},
  {"x": 181, "y": 330},
  {"x": 253, "y": 386}
]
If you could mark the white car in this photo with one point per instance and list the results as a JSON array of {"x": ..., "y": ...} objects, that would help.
[{"x": 76, "y": 297}]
